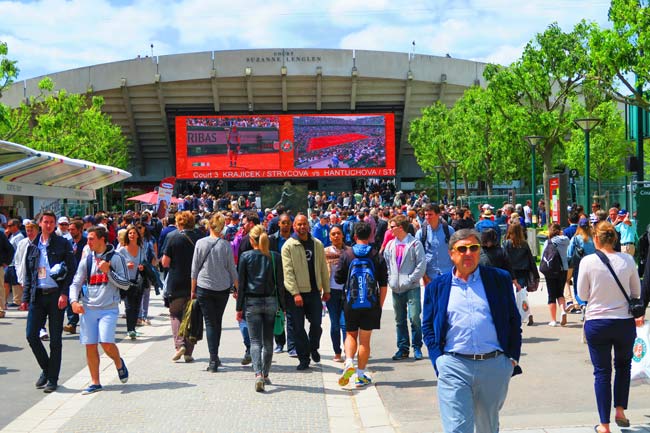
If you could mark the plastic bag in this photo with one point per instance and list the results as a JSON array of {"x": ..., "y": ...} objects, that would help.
[
  {"x": 640, "y": 373},
  {"x": 521, "y": 297}
]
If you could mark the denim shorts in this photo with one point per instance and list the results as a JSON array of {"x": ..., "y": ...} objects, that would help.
[{"x": 98, "y": 326}]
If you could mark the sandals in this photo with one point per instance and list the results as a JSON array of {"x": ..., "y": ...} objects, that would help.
[{"x": 622, "y": 422}]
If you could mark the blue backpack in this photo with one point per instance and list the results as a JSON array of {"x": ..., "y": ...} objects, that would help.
[
  {"x": 361, "y": 286},
  {"x": 348, "y": 232}
]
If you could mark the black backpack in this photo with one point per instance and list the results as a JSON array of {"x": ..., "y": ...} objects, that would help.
[
  {"x": 551, "y": 264},
  {"x": 424, "y": 233}
]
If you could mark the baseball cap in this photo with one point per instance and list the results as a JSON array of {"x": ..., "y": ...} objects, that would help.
[
  {"x": 622, "y": 212},
  {"x": 89, "y": 219},
  {"x": 63, "y": 220},
  {"x": 583, "y": 222},
  {"x": 235, "y": 216}
]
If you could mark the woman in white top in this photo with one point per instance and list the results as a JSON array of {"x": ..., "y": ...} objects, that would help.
[{"x": 608, "y": 322}]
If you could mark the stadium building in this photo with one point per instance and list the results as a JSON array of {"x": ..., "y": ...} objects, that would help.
[{"x": 249, "y": 117}]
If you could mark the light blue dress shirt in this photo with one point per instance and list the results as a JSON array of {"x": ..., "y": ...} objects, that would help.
[
  {"x": 471, "y": 328},
  {"x": 628, "y": 233},
  {"x": 436, "y": 250}
]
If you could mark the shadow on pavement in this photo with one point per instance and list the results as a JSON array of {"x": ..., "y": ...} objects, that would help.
[
  {"x": 5, "y": 370},
  {"x": 7, "y": 348},
  {"x": 128, "y": 389},
  {"x": 276, "y": 387},
  {"x": 418, "y": 383},
  {"x": 531, "y": 340}
]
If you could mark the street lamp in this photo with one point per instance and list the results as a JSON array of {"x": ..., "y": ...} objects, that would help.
[
  {"x": 533, "y": 141},
  {"x": 587, "y": 124},
  {"x": 438, "y": 168},
  {"x": 454, "y": 164}
]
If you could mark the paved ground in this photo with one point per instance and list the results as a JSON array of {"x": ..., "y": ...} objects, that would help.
[{"x": 555, "y": 393}]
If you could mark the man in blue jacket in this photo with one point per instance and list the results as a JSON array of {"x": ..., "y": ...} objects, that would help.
[{"x": 472, "y": 330}]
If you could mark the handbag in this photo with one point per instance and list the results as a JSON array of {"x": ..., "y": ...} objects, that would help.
[
  {"x": 278, "y": 324},
  {"x": 636, "y": 307},
  {"x": 532, "y": 282}
]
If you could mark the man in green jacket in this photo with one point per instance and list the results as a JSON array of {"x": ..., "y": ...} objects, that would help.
[{"x": 307, "y": 281}]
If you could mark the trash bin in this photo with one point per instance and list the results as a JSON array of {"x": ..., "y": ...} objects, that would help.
[{"x": 541, "y": 238}]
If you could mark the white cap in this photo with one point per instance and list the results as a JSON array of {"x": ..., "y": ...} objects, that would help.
[{"x": 63, "y": 220}]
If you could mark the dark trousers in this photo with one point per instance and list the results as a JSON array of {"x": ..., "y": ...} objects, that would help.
[
  {"x": 287, "y": 338},
  {"x": 45, "y": 307},
  {"x": 213, "y": 304},
  {"x": 337, "y": 319},
  {"x": 132, "y": 303},
  {"x": 603, "y": 335},
  {"x": 311, "y": 310}
]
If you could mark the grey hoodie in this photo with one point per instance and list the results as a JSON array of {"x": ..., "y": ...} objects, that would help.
[
  {"x": 413, "y": 265},
  {"x": 104, "y": 295}
]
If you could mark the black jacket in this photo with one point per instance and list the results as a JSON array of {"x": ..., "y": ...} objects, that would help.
[
  {"x": 6, "y": 250},
  {"x": 256, "y": 277},
  {"x": 59, "y": 250}
]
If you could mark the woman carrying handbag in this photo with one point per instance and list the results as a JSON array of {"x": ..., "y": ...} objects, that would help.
[
  {"x": 521, "y": 260},
  {"x": 607, "y": 280}
]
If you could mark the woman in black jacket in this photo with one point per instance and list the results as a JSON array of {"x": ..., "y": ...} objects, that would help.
[
  {"x": 259, "y": 296},
  {"x": 520, "y": 257}
]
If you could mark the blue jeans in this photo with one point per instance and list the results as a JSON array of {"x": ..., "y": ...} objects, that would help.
[
  {"x": 260, "y": 316},
  {"x": 312, "y": 310},
  {"x": 408, "y": 304},
  {"x": 45, "y": 307},
  {"x": 213, "y": 304},
  {"x": 602, "y": 335},
  {"x": 337, "y": 319},
  {"x": 471, "y": 393}
]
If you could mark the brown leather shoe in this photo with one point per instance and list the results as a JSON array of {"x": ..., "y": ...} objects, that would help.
[{"x": 70, "y": 329}]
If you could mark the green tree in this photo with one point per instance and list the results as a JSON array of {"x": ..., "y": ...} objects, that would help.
[
  {"x": 619, "y": 55},
  {"x": 8, "y": 73}
]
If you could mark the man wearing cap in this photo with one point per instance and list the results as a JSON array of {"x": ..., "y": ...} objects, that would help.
[
  {"x": 321, "y": 230},
  {"x": 63, "y": 230},
  {"x": 626, "y": 228},
  {"x": 486, "y": 222},
  {"x": 472, "y": 330},
  {"x": 49, "y": 266}
]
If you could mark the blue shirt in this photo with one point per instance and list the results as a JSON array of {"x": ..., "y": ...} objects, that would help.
[
  {"x": 436, "y": 250},
  {"x": 45, "y": 281},
  {"x": 628, "y": 233},
  {"x": 471, "y": 329},
  {"x": 485, "y": 224}
]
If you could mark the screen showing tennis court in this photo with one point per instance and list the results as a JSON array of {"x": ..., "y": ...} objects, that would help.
[{"x": 285, "y": 146}]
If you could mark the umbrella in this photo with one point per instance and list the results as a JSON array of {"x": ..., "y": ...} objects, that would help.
[{"x": 151, "y": 198}]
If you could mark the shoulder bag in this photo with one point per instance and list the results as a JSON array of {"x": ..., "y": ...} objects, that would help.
[
  {"x": 636, "y": 307},
  {"x": 278, "y": 325}
]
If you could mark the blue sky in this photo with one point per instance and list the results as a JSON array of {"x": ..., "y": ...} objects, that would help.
[{"x": 47, "y": 36}]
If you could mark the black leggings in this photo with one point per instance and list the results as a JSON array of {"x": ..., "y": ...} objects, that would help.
[
  {"x": 132, "y": 303},
  {"x": 213, "y": 304}
]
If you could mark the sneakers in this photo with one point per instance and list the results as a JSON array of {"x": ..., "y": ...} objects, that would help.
[
  {"x": 347, "y": 373},
  {"x": 315, "y": 356},
  {"x": 70, "y": 329},
  {"x": 399, "y": 355},
  {"x": 246, "y": 359},
  {"x": 42, "y": 381},
  {"x": 123, "y": 373},
  {"x": 278, "y": 349},
  {"x": 43, "y": 335},
  {"x": 304, "y": 365},
  {"x": 293, "y": 353},
  {"x": 259, "y": 384},
  {"x": 188, "y": 358},
  {"x": 213, "y": 367},
  {"x": 131, "y": 335},
  {"x": 564, "y": 320},
  {"x": 180, "y": 352},
  {"x": 50, "y": 387},
  {"x": 417, "y": 354},
  {"x": 337, "y": 358},
  {"x": 267, "y": 381},
  {"x": 92, "y": 389},
  {"x": 362, "y": 381},
  {"x": 530, "y": 321},
  {"x": 552, "y": 323}
]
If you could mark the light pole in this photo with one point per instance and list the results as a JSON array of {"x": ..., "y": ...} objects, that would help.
[
  {"x": 587, "y": 124},
  {"x": 454, "y": 164},
  {"x": 533, "y": 141},
  {"x": 438, "y": 168}
]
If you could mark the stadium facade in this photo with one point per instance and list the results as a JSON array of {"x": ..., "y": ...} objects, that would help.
[{"x": 144, "y": 96}]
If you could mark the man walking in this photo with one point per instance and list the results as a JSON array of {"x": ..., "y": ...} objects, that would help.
[
  {"x": 48, "y": 273},
  {"x": 78, "y": 244},
  {"x": 306, "y": 280},
  {"x": 103, "y": 272},
  {"x": 360, "y": 320},
  {"x": 472, "y": 330},
  {"x": 404, "y": 257},
  {"x": 434, "y": 237},
  {"x": 276, "y": 242}
]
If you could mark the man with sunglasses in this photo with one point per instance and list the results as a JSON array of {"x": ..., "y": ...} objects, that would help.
[
  {"x": 404, "y": 257},
  {"x": 472, "y": 330}
]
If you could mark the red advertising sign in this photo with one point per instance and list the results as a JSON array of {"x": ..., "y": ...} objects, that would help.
[
  {"x": 554, "y": 196},
  {"x": 281, "y": 146}
]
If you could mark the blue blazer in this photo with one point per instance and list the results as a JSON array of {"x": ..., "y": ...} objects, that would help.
[{"x": 501, "y": 298}]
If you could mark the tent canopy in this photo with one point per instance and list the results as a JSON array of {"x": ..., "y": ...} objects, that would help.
[{"x": 25, "y": 171}]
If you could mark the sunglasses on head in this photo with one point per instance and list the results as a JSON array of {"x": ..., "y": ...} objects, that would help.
[{"x": 463, "y": 248}]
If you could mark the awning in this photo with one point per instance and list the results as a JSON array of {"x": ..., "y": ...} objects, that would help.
[{"x": 28, "y": 172}]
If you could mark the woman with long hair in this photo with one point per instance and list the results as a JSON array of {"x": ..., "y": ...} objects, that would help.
[
  {"x": 151, "y": 253},
  {"x": 555, "y": 285},
  {"x": 335, "y": 302},
  {"x": 608, "y": 322},
  {"x": 521, "y": 258},
  {"x": 259, "y": 296},
  {"x": 582, "y": 244},
  {"x": 134, "y": 255},
  {"x": 213, "y": 274}
]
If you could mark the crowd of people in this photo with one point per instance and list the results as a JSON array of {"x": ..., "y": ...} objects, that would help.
[{"x": 342, "y": 257}]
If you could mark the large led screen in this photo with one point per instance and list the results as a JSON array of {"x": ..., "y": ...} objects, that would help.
[{"x": 282, "y": 146}]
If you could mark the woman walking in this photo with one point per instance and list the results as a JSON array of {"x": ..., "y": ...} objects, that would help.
[
  {"x": 608, "y": 322},
  {"x": 258, "y": 297},
  {"x": 335, "y": 302},
  {"x": 151, "y": 253},
  {"x": 213, "y": 274},
  {"x": 521, "y": 258},
  {"x": 134, "y": 255},
  {"x": 555, "y": 284}
]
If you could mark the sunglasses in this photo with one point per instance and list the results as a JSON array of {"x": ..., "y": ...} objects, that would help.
[{"x": 472, "y": 248}]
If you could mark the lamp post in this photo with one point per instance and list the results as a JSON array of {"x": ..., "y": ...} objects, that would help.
[
  {"x": 587, "y": 124},
  {"x": 533, "y": 141},
  {"x": 454, "y": 164},
  {"x": 438, "y": 168}
]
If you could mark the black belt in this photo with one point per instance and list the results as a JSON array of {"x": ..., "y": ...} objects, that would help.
[
  {"x": 49, "y": 291},
  {"x": 627, "y": 243},
  {"x": 477, "y": 357}
]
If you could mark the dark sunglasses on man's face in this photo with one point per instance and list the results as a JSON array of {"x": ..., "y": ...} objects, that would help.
[{"x": 463, "y": 248}]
